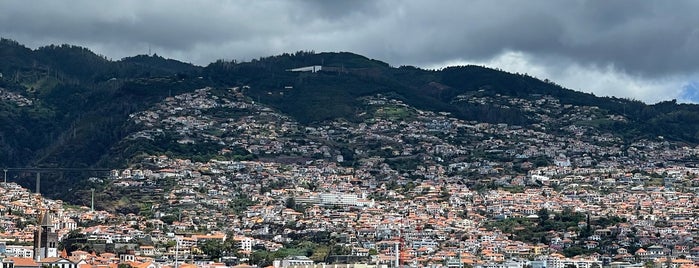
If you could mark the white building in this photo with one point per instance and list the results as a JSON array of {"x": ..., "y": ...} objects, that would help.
[
  {"x": 245, "y": 243},
  {"x": 340, "y": 199},
  {"x": 298, "y": 261},
  {"x": 19, "y": 251},
  {"x": 313, "y": 69}
]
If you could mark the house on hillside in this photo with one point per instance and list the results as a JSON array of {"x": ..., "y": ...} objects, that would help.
[
  {"x": 57, "y": 262},
  {"x": 22, "y": 262}
]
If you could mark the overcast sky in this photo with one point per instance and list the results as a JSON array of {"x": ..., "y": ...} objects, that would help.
[{"x": 645, "y": 50}]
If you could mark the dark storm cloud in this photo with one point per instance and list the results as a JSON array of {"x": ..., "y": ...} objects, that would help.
[
  {"x": 645, "y": 37},
  {"x": 172, "y": 27},
  {"x": 642, "y": 39}
]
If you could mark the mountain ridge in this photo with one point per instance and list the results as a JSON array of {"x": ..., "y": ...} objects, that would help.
[{"x": 82, "y": 102}]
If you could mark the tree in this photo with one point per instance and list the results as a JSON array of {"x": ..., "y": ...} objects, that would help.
[
  {"x": 319, "y": 253},
  {"x": 444, "y": 193},
  {"x": 73, "y": 241},
  {"x": 588, "y": 228},
  {"x": 168, "y": 219},
  {"x": 290, "y": 202},
  {"x": 262, "y": 258},
  {"x": 213, "y": 248},
  {"x": 543, "y": 215}
]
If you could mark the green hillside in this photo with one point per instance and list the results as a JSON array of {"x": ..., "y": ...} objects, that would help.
[{"x": 81, "y": 101}]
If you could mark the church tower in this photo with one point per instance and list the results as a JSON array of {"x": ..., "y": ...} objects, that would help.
[{"x": 45, "y": 239}]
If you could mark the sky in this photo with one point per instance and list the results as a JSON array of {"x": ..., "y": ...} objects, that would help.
[{"x": 643, "y": 50}]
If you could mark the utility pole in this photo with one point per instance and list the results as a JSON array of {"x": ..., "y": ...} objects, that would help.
[
  {"x": 38, "y": 181},
  {"x": 5, "y": 170}
]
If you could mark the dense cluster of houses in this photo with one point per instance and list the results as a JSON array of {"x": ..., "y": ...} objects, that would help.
[{"x": 403, "y": 187}]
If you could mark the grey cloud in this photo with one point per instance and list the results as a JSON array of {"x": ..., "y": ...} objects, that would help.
[
  {"x": 338, "y": 10},
  {"x": 646, "y": 38}
]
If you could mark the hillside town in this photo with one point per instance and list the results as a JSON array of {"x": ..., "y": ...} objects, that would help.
[{"x": 402, "y": 188}]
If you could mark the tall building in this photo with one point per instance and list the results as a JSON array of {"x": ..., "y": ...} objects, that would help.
[{"x": 45, "y": 239}]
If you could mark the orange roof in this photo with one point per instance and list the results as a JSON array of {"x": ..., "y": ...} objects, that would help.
[
  {"x": 682, "y": 261},
  {"x": 107, "y": 255},
  {"x": 142, "y": 265},
  {"x": 467, "y": 261},
  {"x": 23, "y": 261},
  {"x": 51, "y": 259},
  {"x": 210, "y": 236}
]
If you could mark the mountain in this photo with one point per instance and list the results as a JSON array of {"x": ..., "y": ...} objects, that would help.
[
  {"x": 65, "y": 106},
  {"x": 352, "y": 76}
]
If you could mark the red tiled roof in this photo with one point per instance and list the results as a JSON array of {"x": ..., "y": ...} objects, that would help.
[{"x": 25, "y": 262}]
